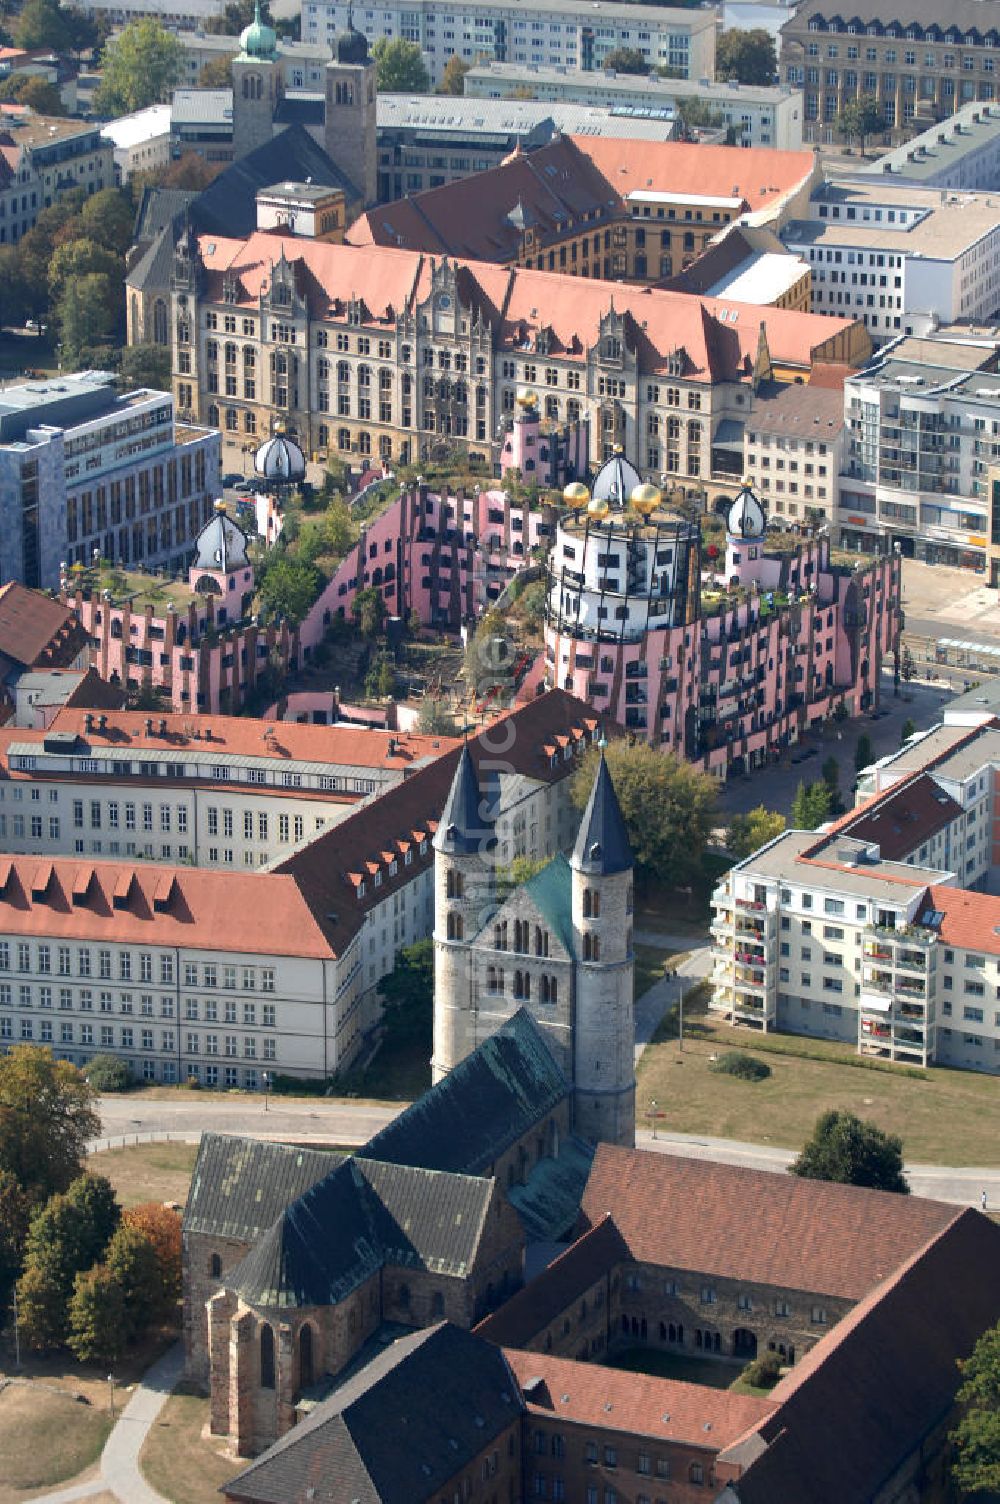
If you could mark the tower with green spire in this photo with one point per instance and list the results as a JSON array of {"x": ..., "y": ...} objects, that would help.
[{"x": 257, "y": 85}]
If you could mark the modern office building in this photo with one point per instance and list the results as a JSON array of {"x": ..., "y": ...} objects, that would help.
[
  {"x": 961, "y": 154},
  {"x": 902, "y": 259},
  {"x": 84, "y": 470},
  {"x": 758, "y": 114},
  {"x": 918, "y": 63},
  {"x": 876, "y": 930},
  {"x": 141, "y": 142},
  {"x": 546, "y": 32},
  {"x": 922, "y": 435}
]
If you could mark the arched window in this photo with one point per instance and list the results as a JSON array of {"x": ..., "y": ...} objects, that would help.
[
  {"x": 160, "y": 322},
  {"x": 494, "y": 979},
  {"x": 456, "y": 927},
  {"x": 454, "y": 884},
  {"x": 364, "y": 442},
  {"x": 550, "y": 990},
  {"x": 522, "y": 986},
  {"x": 215, "y": 1265},
  {"x": 266, "y": 1357},
  {"x": 591, "y": 948},
  {"x": 306, "y": 1379},
  {"x": 500, "y": 935},
  {"x": 541, "y": 941}
]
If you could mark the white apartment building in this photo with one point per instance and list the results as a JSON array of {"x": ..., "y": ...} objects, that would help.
[
  {"x": 875, "y": 931},
  {"x": 923, "y": 431},
  {"x": 219, "y": 976},
  {"x": 548, "y": 32},
  {"x": 211, "y": 791},
  {"x": 961, "y": 153},
  {"x": 176, "y": 15},
  {"x": 760, "y": 115},
  {"x": 793, "y": 451},
  {"x": 83, "y": 468},
  {"x": 141, "y": 142},
  {"x": 902, "y": 259}
]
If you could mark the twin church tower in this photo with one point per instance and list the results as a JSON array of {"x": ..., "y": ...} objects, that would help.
[
  {"x": 349, "y": 125},
  {"x": 559, "y": 946}
]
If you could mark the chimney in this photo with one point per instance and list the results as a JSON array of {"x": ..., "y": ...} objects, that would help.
[
  {"x": 163, "y": 725},
  {"x": 102, "y": 723},
  {"x": 88, "y": 722},
  {"x": 149, "y": 725}
]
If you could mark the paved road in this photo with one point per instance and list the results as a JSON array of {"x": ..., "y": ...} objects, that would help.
[
  {"x": 312, "y": 1120},
  {"x": 961, "y": 1186}
]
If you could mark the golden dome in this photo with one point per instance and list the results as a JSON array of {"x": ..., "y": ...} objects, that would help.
[
  {"x": 526, "y": 397},
  {"x": 597, "y": 507},
  {"x": 646, "y": 498},
  {"x": 576, "y": 495}
]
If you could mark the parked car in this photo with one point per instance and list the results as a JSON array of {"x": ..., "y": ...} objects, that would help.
[{"x": 233, "y": 478}]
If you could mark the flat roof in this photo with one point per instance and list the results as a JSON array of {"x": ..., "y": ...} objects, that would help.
[
  {"x": 763, "y": 277},
  {"x": 940, "y": 148},
  {"x": 634, "y": 83},
  {"x": 504, "y": 118},
  {"x": 133, "y": 130},
  {"x": 892, "y": 881},
  {"x": 949, "y": 222},
  {"x": 194, "y": 106}
]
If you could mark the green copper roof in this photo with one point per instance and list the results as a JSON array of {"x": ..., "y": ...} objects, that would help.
[
  {"x": 551, "y": 891},
  {"x": 258, "y": 40}
]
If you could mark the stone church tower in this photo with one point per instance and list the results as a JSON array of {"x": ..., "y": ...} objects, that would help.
[
  {"x": 257, "y": 86},
  {"x": 350, "y": 112},
  {"x": 559, "y": 946}
]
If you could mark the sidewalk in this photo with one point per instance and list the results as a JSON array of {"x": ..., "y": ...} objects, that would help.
[{"x": 120, "y": 1475}]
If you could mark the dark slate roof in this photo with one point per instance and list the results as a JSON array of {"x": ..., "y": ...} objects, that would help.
[
  {"x": 228, "y": 206},
  {"x": 468, "y": 818},
  {"x": 361, "y": 1216},
  {"x": 602, "y": 845},
  {"x": 865, "y": 1397},
  {"x": 395, "y": 1433},
  {"x": 548, "y": 1202},
  {"x": 301, "y": 109},
  {"x": 489, "y": 1101},
  {"x": 158, "y": 208},
  {"x": 240, "y": 1186}
]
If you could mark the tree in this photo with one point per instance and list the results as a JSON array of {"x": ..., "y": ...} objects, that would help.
[
  {"x": 831, "y": 777},
  {"x": 907, "y": 667},
  {"x": 625, "y": 60},
  {"x": 747, "y": 56},
  {"x": 811, "y": 805},
  {"x": 747, "y": 833},
  {"x": 162, "y": 1226},
  {"x": 217, "y": 73},
  {"x": 434, "y": 719},
  {"x": 289, "y": 588},
  {"x": 108, "y": 219},
  {"x": 46, "y": 1117},
  {"x": 66, "y": 1237},
  {"x": 693, "y": 111},
  {"x": 976, "y": 1439},
  {"x": 141, "y": 64},
  {"x": 43, "y": 24},
  {"x": 864, "y": 752},
  {"x": 408, "y": 995},
  {"x": 339, "y": 527},
  {"x": 189, "y": 171},
  {"x": 453, "y": 77},
  {"x": 108, "y": 1073},
  {"x": 14, "y": 1216},
  {"x": 86, "y": 317},
  {"x": 145, "y": 365},
  {"x": 846, "y": 1149},
  {"x": 369, "y": 612},
  {"x": 34, "y": 91},
  {"x": 906, "y": 730},
  {"x": 385, "y": 678},
  {"x": 668, "y": 805},
  {"x": 399, "y": 67},
  {"x": 859, "y": 119},
  {"x": 131, "y": 1260},
  {"x": 97, "y": 1328}
]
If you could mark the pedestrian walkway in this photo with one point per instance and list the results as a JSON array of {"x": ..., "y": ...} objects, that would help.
[{"x": 120, "y": 1475}]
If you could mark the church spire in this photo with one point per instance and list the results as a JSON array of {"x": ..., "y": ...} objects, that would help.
[
  {"x": 602, "y": 845},
  {"x": 467, "y": 820}
]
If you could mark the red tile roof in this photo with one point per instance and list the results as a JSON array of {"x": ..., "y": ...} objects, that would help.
[
  {"x": 869, "y": 1394},
  {"x": 756, "y": 175},
  {"x": 590, "y": 1258},
  {"x": 969, "y": 921},
  {"x": 519, "y": 303},
  {"x": 769, "y": 1229},
  {"x": 242, "y": 736},
  {"x": 35, "y": 631},
  {"x": 898, "y": 821},
  {"x": 74, "y": 899},
  {"x": 610, "y": 1399}
]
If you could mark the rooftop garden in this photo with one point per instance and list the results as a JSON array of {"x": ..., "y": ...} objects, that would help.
[{"x": 135, "y": 587}]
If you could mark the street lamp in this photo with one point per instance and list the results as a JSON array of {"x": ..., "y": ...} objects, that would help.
[
  {"x": 111, "y": 1382},
  {"x": 266, "y": 1078},
  {"x": 652, "y": 1114}
]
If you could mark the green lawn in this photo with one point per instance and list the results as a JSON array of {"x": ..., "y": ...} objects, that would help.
[
  {"x": 147, "y": 1172},
  {"x": 46, "y": 1437},
  {"x": 669, "y": 1365},
  {"x": 177, "y": 1459},
  {"x": 943, "y": 1116}
]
